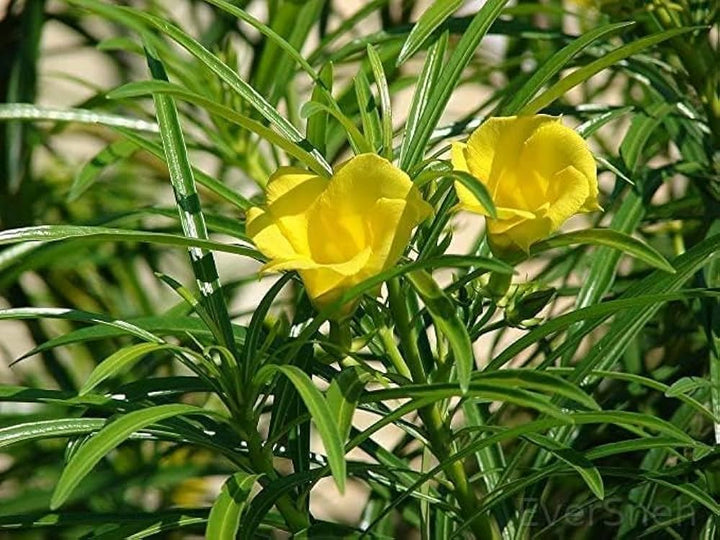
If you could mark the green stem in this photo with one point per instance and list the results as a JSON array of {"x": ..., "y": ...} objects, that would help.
[
  {"x": 386, "y": 336},
  {"x": 341, "y": 337},
  {"x": 261, "y": 461},
  {"x": 438, "y": 433}
]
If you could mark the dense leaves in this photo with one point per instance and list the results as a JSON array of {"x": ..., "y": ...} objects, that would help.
[{"x": 154, "y": 382}]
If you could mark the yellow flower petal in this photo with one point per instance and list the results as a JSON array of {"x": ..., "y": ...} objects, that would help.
[
  {"x": 517, "y": 235},
  {"x": 457, "y": 157},
  {"x": 538, "y": 171},
  {"x": 467, "y": 199},
  {"x": 290, "y": 194},
  {"x": 551, "y": 148},
  {"x": 571, "y": 192},
  {"x": 340, "y": 222},
  {"x": 493, "y": 156},
  {"x": 267, "y": 235},
  {"x": 336, "y": 233},
  {"x": 322, "y": 279}
]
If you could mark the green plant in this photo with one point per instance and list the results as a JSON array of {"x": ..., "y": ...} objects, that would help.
[{"x": 570, "y": 394}]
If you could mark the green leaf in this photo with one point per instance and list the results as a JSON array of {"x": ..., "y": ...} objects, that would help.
[
  {"x": 536, "y": 380},
  {"x": 602, "y": 268},
  {"x": 136, "y": 19},
  {"x": 80, "y": 316},
  {"x": 628, "y": 418},
  {"x": 343, "y": 395},
  {"x": 35, "y": 113},
  {"x": 575, "y": 459},
  {"x": 189, "y": 206},
  {"x": 431, "y": 19},
  {"x": 159, "y": 325},
  {"x": 149, "y": 523},
  {"x": 625, "y": 327},
  {"x": 224, "y": 520},
  {"x": 449, "y": 79},
  {"x": 53, "y": 233},
  {"x": 359, "y": 143},
  {"x": 90, "y": 453},
  {"x": 148, "y": 88},
  {"x": 205, "y": 180},
  {"x": 687, "y": 385},
  {"x": 580, "y": 75},
  {"x": 610, "y": 238},
  {"x": 90, "y": 172},
  {"x": 481, "y": 391},
  {"x": 320, "y": 413},
  {"x": 368, "y": 110},
  {"x": 478, "y": 190},
  {"x": 43, "y": 429},
  {"x": 385, "y": 104},
  {"x": 644, "y": 381},
  {"x": 446, "y": 320},
  {"x": 588, "y": 128},
  {"x": 254, "y": 330},
  {"x": 317, "y": 124},
  {"x": 556, "y": 63},
  {"x": 119, "y": 362},
  {"x": 598, "y": 311},
  {"x": 637, "y": 136},
  {"x": 423, "y": 90}
]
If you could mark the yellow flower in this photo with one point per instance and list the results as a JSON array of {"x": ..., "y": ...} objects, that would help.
[
  {"x": 538, "y": 172},
  {"x": 337, "y": 232}
]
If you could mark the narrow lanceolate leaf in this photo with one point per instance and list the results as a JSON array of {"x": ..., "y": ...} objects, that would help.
[
  {"x": 357, "y": 141},
  {"x": 44, "y": 429},
  {"x": 530, "y": 379},
  {"x": 600, "y": 277},
  {"x": 254, "y": 330},
  {"x": 578, "y": 76},
  {"x": 205, "y": 180},
  {"x": 54, "y": 233},
  {"x": 162, "y": 326},
  {"x": 431, "y": 19},
  {"x": 149, "y": 88},
  {"x": 587, "y": 471},
  {"x": 450, "y": 77},
  {"x": 90, "y": 453},
  {"x": 320, "y": 413},
  {"x": 606, "y": 351},
  {"x": 343, "y": 395},
  {"x": 385, "y": 104},
  {"x": 224, "y": 520},
  {"x": 444, "y": 315},
  {"x": 90, "y": 172},
  {"x": 588, "y": 128},
  {"x": 607, "y": 237},
  {"x": 368, "y": 110},
  {"x": 555, "y": 63},
  {"x": 188, "y": 204},
  {"x": 317, "y": 124},
  {"x": 31, "y": 112},
  {"x": 478, "y": 190},
  {"x": 641, "y": 128},
  {"x": 423, "y": 89},
  {"x": 80, "y": 316},
  {"x": 596, "y": 312},
  {"x": 137, "y": 19},
  {"x": 119, "y": 362}
]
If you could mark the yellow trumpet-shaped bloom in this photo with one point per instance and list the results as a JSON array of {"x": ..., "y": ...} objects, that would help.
[
  {"x": 538, "y": 172},
  {"x": 340, "y": 231}
]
